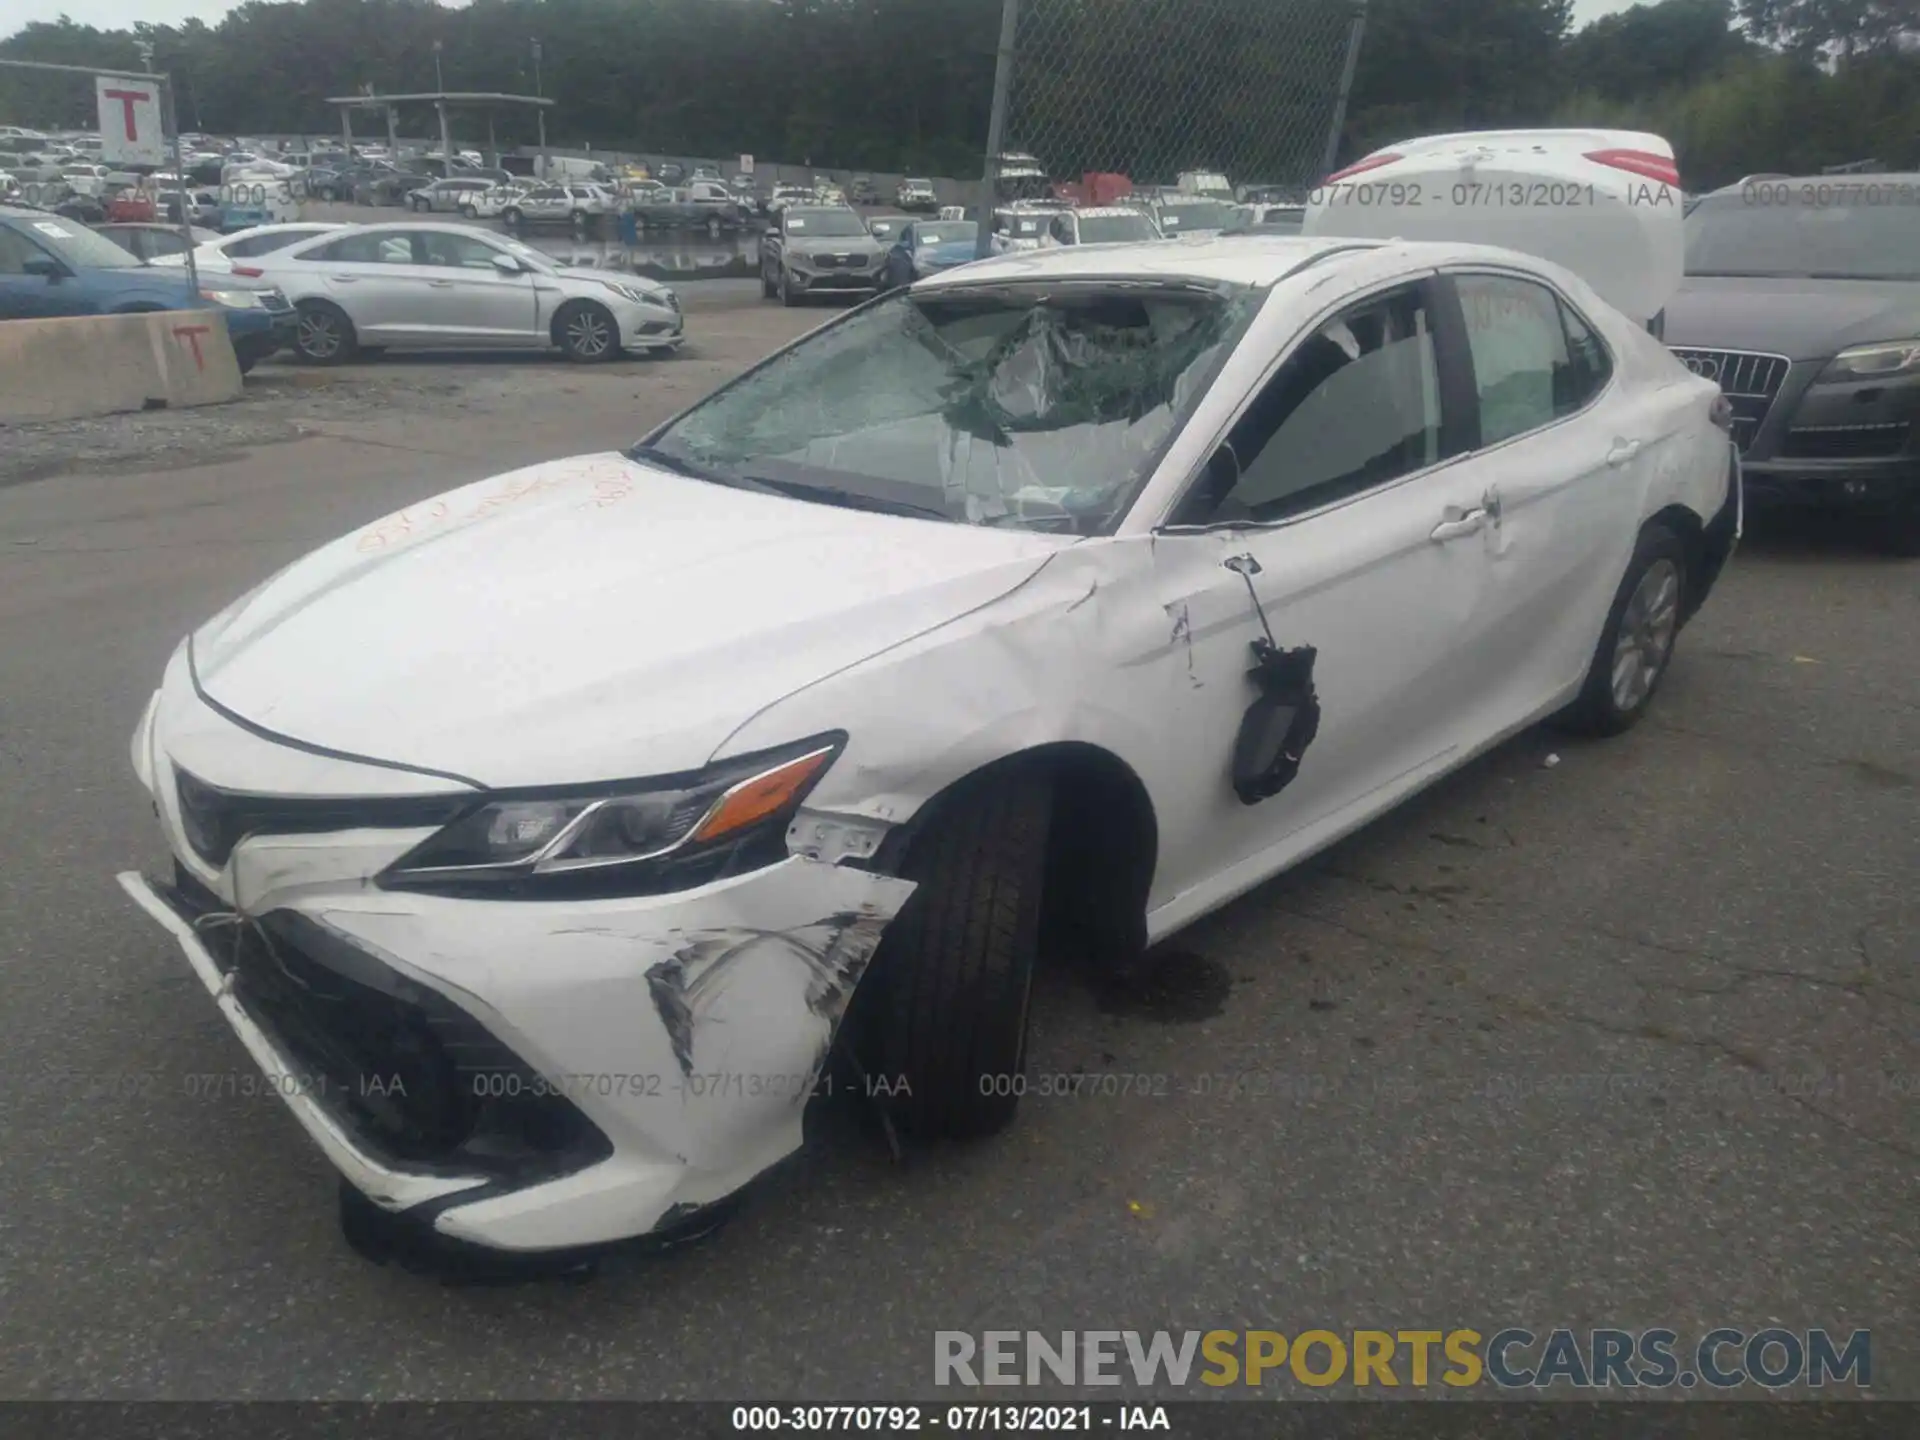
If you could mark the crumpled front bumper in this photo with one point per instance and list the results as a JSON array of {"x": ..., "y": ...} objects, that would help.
[{"x": 522, "y": 1075}]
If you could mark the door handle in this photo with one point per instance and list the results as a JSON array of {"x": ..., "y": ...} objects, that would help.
[
  {"x": 441, "y": 284},
  {"x": 343, "y": 279},
  {"x": 1458, "y": 523},
  {"x": 1622, "y": 452}
]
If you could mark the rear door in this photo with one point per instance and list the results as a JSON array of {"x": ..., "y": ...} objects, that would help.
[{"x": 1558, "y": 447}]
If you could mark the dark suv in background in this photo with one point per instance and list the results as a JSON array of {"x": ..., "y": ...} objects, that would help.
[{"x": 1802, "y": 298}]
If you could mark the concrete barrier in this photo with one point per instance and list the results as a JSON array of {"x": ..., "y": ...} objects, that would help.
[{"x": 106, "y": 364}]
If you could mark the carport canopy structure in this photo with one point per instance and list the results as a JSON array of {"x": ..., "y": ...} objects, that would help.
[{"x": 442, "y": 101}]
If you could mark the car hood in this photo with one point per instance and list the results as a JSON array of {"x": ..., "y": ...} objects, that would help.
[
  {"x": 613, "y": 277},
  {"x": 585, "y": 619},
  {"x": 1801, "y": 319}
]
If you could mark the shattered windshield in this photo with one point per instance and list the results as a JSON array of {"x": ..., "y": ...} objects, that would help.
[{"x": 1036, "y": 408}]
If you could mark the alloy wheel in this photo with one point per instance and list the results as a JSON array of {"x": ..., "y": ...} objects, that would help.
[
  {"x": 1647, "y": 628},
  {"x": 319, "y": 335},
  {"x": 588, "y": 334}
]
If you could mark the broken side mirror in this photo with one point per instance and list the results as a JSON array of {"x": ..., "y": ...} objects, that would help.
[{"x": 1284, "y": 717}]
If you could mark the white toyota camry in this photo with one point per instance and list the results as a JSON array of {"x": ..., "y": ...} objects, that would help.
[{"x": 541, "y": 840}]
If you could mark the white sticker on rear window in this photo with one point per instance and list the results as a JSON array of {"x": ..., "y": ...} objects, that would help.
[
  {"x": 47, "y": 227},
  {"x": 796, "y": 223}
]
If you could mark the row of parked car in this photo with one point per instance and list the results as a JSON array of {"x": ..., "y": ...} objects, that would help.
[
  {"x": 332, "y": 292},
  {"x": 820, "y": 246}
]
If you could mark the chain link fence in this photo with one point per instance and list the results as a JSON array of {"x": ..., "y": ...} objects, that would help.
[{"x": 1252, "y": 90}]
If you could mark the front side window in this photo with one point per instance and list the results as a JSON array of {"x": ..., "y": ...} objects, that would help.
[
  {"x": 1041, "y": 409},
  {"x": 460, "y": 252},
  {"x": 1356, "y": 405},
  {"x": 16, "y": 250},
  {"x": 1524, "y": 367}
]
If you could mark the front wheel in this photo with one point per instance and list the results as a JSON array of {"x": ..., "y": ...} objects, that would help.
[
  {"x": 789, "y": 297},
  {"x": 1637, "y": 643},
  {"x": 587, "y": 332},
  {"x": 952, "y": 978}
]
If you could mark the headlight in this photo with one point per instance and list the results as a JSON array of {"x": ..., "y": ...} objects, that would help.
[
  {"x": 644, "y": 837},
  {"x": 1873, "y": 362},
  {"x": 233, "y": 299},
  {"x": 639, "y": 296}
]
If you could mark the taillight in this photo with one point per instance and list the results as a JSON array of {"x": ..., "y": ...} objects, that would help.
[
  {"x": 251, "y": 272},
  {"x": 1721, "y": 413},
  {"x": 1372, "y": 162},
  {"x": 1639, "y": 162}
]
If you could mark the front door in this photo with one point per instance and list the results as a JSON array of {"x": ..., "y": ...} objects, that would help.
[
  {"x": 1348, "y": 508},
  {"x": 34, "y": 297},
  {"x": 469, "y": 299}
]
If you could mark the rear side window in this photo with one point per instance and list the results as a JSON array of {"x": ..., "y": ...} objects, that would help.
[
  {"x": 367, "y": 250},
  {"x": 1534, "y": 360}
]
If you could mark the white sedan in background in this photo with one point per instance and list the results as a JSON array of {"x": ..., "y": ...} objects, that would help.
[
  {"x": 426, "y": 286},
  {"x": 234, "y": 254},
  {"x": 1073, "y": 591}
]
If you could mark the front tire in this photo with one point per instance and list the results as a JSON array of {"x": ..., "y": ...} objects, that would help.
[
  {"x": 586, "y": 332},
  {"x": 953, "y": 977},
  {"x": 789, "y": 297},
  {"x": 324, "y": 336},
  {"x": 1637, "y": 644}
]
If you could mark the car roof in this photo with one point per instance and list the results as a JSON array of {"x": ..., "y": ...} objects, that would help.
[{"x": 1104, "y": 212}]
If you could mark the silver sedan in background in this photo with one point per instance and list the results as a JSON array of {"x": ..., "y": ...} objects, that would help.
[{"x": 436, "y": 286}]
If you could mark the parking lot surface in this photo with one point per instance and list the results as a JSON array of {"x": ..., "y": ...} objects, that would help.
[{"x": 1592, "y": 1034}]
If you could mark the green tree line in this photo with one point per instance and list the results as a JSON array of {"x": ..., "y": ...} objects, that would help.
[{"x": 906, "y": 85}]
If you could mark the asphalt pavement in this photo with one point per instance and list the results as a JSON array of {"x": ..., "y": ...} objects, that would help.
[{"x": 1592, "y": 1034}]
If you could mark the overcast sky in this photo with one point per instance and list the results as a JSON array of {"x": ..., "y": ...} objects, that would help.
[{"x": 115, "y": 14}]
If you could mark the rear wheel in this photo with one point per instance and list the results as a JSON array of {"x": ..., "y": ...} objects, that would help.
[
  {"x": 587, "y": 332},
  {"x": 468, "y": 212},
  {"x": 952, "y": 979},
  {"x": 1637, "y": 643},
  {"x": 324, "y": 335}
]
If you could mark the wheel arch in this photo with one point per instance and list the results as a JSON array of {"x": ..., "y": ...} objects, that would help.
[
  {"x": 1103, "y": 846},
  {"x": 1686, "y": 526}
]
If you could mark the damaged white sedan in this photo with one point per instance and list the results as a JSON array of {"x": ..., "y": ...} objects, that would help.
[{"x": 543, "y": 839}]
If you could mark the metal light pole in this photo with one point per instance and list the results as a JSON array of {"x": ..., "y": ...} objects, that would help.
[
  {"x": 997, "y": 121},
  {"x": 440, "y": 85},
  {"x": 540, "y": 112},
  {"x": 1355, "y": 34}
]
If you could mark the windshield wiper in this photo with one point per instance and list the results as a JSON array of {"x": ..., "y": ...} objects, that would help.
[
  {"x": 851, "y": 499},
  {"x": 693, "y": 470}
]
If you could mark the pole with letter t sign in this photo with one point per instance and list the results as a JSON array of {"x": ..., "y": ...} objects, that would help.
[{"x": 136, "y": 122}]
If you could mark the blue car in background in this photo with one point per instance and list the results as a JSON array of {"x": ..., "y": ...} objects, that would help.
[
  {"x": 54, "y": 268},
  {"x": 928, "y": 246}
]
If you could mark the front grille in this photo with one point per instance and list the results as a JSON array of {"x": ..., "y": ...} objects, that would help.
[
  {"x": 216, "y": 820},
  {"x": 1845, "y": 442},
  {"x": 274, "y": 301},
  {"x": 411, "y": 1076},
  {"x": 829, "y": 262},
  {"x": 1750, "y": 381}
]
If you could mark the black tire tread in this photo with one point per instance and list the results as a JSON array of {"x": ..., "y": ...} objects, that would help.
[
  {"x": 1593, "y": 713},
  {"x": 958, "y": 960}
]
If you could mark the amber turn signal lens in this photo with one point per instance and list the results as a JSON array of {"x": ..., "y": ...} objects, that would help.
[{"x": 761, "y": 796}]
